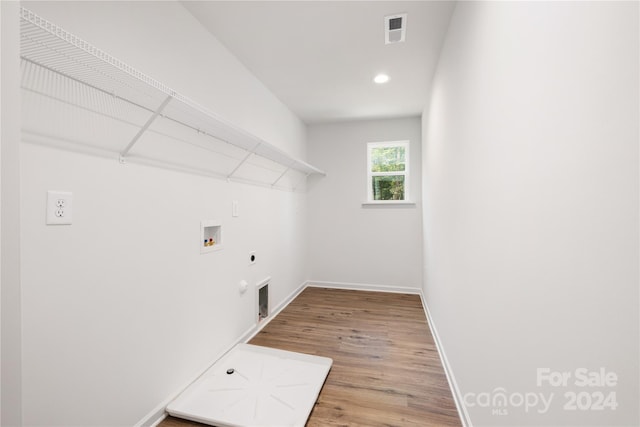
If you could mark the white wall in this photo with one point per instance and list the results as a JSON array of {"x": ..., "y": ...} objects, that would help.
[
  {"x": 531, "y": 203},
  {"x": 10, "y": 413},
  {"x": 120, "y": 310},
  {"x": 350, "y": 243}
]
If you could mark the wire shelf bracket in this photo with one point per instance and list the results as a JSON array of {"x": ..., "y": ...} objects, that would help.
[
  {"x": 144, "y": 128},
  {"x": 281, "y": 176},
  {"x": 243, "y": 161}
]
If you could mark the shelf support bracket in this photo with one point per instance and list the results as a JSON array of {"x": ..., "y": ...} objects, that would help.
[
  {"x": 281, "y": 175},
  {"x": 144, "y": 128},
  {"x": 249, "y": 154},
  {"x": 307, "y": 175}
]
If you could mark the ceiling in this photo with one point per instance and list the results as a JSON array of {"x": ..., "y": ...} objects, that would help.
[{"x": 320, "y": 57}]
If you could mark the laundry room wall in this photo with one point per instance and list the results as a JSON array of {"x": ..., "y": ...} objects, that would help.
[
  {"x": 531, "y": 211},
  {"x": 120, "y": 310},
  {"x": 356, "y": 245},
  {"x": 11, "y": 339}
]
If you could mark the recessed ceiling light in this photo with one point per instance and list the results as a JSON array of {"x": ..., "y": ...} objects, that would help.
[{"x": 381, "y": 78}]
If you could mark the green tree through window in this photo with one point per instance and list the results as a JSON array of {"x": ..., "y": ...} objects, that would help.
[
  {"x": 387, "y": 170},
  {"x": 387, "y": 159}
]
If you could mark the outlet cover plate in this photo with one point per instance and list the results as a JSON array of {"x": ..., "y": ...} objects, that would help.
[{"x": 59, "y": 207}]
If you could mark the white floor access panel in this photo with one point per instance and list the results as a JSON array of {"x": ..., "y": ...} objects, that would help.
[{"x": 255, "y": 386}]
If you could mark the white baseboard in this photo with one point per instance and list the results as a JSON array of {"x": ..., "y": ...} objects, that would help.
[
  {"x": 161, "y": 419},
  {"x": 158, "y": 414},
  {"x": 364, "y": 287},
  {"x": 453, "y": 385},
  {"x": 155, "y": 417}
]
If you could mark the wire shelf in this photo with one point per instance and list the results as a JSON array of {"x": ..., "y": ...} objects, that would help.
[{"x": 62, "y": 67}]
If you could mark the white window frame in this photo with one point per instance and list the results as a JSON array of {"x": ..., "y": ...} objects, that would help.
[{"x": 406, "y": 172}]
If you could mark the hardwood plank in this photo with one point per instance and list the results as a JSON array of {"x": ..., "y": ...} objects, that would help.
[{"x": 386, "y": 369}]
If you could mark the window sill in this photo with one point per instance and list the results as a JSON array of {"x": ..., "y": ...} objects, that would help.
[{"x": 389, "y": 204}]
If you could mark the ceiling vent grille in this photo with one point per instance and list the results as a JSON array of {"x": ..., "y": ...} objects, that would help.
[{"x": 395, "y": 28}]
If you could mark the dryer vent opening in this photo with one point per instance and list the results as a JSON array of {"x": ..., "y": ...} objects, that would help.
[{"x": 263, "y": 300}]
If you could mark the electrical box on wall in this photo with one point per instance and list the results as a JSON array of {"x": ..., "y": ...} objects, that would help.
[
  {"x": 59, "y": 207},
  {"x": 210, "y": 236}
]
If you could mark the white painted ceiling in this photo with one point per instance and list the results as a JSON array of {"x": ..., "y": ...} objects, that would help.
[{"x": 320, "y": 57}]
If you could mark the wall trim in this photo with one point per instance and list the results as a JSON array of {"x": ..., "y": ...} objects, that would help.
[
  {"x": 465, "y": 419},
  {"x": 364, "y": 287},
  {"x": 158, "y": 414}
]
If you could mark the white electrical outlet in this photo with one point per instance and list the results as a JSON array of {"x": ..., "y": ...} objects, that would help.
[
  {"x": 59, "y": 207},
  {"x": 234, "y": 209}
]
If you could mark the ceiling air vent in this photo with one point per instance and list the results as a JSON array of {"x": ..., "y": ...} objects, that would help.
[{"x": 395, "y": 27}]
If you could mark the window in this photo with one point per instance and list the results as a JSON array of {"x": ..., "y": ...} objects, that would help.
[{"x": 388, "y": 171}]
